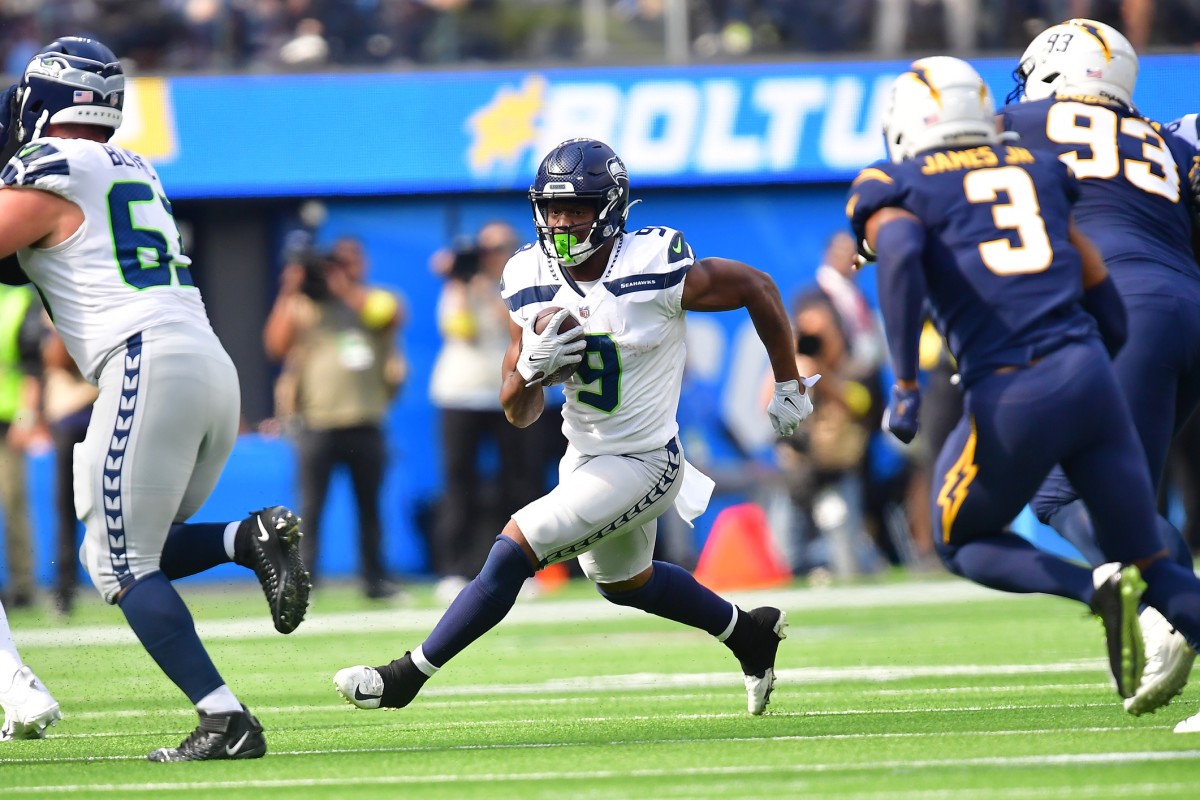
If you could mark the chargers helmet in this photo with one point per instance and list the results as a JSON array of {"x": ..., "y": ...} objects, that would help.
[
  {"x": 580, "y": 169},
  {"x": 939, "y": 102},
  {"x": 70, "y": 80},
  {"x": 1079, "y": 56}
]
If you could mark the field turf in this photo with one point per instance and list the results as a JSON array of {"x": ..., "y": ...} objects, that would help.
[{"x": 929, "y": 688}]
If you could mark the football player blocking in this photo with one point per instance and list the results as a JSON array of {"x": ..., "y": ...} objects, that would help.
[
  {"x": 624, "y": 465},
  {"x": 92, "y": 228},
  {"x": 1075, "y": 87},
  {"x": 982, "y": 231}
]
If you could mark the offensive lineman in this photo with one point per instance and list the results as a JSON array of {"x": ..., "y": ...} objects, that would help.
[
  {"x": 92, "y": 228},
  {"x": 624, "y": 466}
]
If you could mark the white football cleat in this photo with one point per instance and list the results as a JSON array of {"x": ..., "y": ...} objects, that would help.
[
  {"x": 360, "y": 686},
  {"x": 28, "y": 707},
  {"x": 1169, "y": 661},
  {"x": 1189, "y": 725},
  {"x": 758, "y": 663}
]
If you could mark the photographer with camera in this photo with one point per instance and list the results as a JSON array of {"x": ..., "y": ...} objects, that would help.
[
  {"x": 336, "y": 338},
  {"x": 823, "y": 461},
  {"x": 465, "y": 387}
]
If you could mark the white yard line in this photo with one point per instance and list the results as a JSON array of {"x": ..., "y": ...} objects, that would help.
[
  {"x": 1006, "y": 762},
  {"x": 537, "y": 612}
]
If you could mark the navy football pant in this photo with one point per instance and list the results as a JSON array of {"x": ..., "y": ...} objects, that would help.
[
  {"x": 1067, "y": 410},
  {"x": 1016, "y": 426},
  {"x": 1159, "y": 372}
]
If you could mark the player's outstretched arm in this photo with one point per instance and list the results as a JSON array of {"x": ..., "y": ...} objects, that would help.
[
  {"x": 522, "y": 404},
  {"x": 722, "y": 284}
]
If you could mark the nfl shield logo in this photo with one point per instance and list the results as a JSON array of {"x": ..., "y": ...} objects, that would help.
[
  {"x": 584, "y": 311},
  {"x": 82, "y": 96}
]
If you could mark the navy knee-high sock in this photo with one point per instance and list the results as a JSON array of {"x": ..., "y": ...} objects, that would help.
[
  {"x": 164, "y": 626},
  {"x": 193, "y": 548},
  {"x": 672, "y": 593},
  {"x": 481, "y": 605},
  {"x": 1009, "y": 563},
  {"x": 1175, "y": 591}
]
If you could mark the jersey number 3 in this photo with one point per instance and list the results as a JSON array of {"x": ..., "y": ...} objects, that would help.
[{"x": 1021, "y": 214}]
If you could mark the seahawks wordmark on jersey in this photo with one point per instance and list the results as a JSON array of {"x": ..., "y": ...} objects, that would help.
[
  {"x": 124, "y": 269},
  {"x": 624, "y": 397}
]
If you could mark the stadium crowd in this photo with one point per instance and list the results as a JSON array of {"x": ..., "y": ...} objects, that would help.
[{"x": 270, "y": 35}]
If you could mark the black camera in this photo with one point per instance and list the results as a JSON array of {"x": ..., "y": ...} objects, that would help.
[
  {"x": 466, "y": 262},
  {"x": 317, "y": 265},
  {"x": 809, "y": 344}
]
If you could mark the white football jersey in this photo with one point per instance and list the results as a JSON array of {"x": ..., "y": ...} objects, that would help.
[
  {"x": 624, "y": 397},
  {"x": 124, "y": 269}
]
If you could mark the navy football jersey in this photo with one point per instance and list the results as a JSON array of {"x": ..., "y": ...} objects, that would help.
[
  {"x": 1004, "y": 281},
  {"x": 1134, "y": 202}
]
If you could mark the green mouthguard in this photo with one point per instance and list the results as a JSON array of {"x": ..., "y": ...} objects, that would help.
[{"x": 563, "y": 242}]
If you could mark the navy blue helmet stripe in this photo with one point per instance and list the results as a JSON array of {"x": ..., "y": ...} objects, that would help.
[
  {"x": 645, "y": 283},
  {"x": 533, "y": 294}
]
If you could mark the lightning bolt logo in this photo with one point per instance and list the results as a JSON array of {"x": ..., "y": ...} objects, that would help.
[
  {"x": 958, "y": 481},
  {"x": 1095, "y": 33}
]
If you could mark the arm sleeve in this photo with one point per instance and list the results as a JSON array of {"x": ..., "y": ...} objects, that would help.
[
  {"x": 29, "y": 340},
  {"x": 902, "y": 292},
  {"x": 11, "y": 272},
  {"x": 874, "y": 188},
  {"x": 1104, "y": 303}
]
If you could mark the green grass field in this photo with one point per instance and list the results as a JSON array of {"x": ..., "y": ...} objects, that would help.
[{"x": 902, "y": 689}]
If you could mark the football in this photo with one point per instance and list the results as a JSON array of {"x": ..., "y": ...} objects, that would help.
[{"x": 570, "y": 323}]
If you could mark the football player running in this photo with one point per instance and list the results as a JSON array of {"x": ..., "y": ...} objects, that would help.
[
  {"x": 1075, "y": 87},
  {"x": 983, "y": 232},
  {"x": 624, "y": 465},
  {"x": 92, "y": 228}
]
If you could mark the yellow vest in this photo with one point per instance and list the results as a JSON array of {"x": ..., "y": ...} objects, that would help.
[{"x": 14, "y": 302}]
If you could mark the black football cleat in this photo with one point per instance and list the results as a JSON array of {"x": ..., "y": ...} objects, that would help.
[
  {"x": 1118, "y": 592},
  {"x": 268, "y": 542},
  {"x": 393, "y": 685},
  {"x": 755, "y": 643},
  {"x": 218, "y": 736}
]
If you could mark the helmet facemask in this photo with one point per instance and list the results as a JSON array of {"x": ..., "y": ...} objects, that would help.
[
  {"x": 571, "y": 245},
  {"x": 580, "y": 171}
]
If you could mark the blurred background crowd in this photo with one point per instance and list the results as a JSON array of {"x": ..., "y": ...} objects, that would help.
[
  {"x": 401, "y": 377},
  {"x": 315, "y": 34}
]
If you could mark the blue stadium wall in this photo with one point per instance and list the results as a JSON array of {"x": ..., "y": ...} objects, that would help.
[{"x": 750, "y": 162}]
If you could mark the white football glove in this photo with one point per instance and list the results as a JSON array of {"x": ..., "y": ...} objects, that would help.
[
  {"x": 547, "y": 352},
  {"x": 788, "y": 408}
]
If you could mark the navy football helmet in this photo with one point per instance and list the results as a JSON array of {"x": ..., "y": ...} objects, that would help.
[
  {"x": 580, "y": 169},
  {"x": 70, "y": 80}
]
